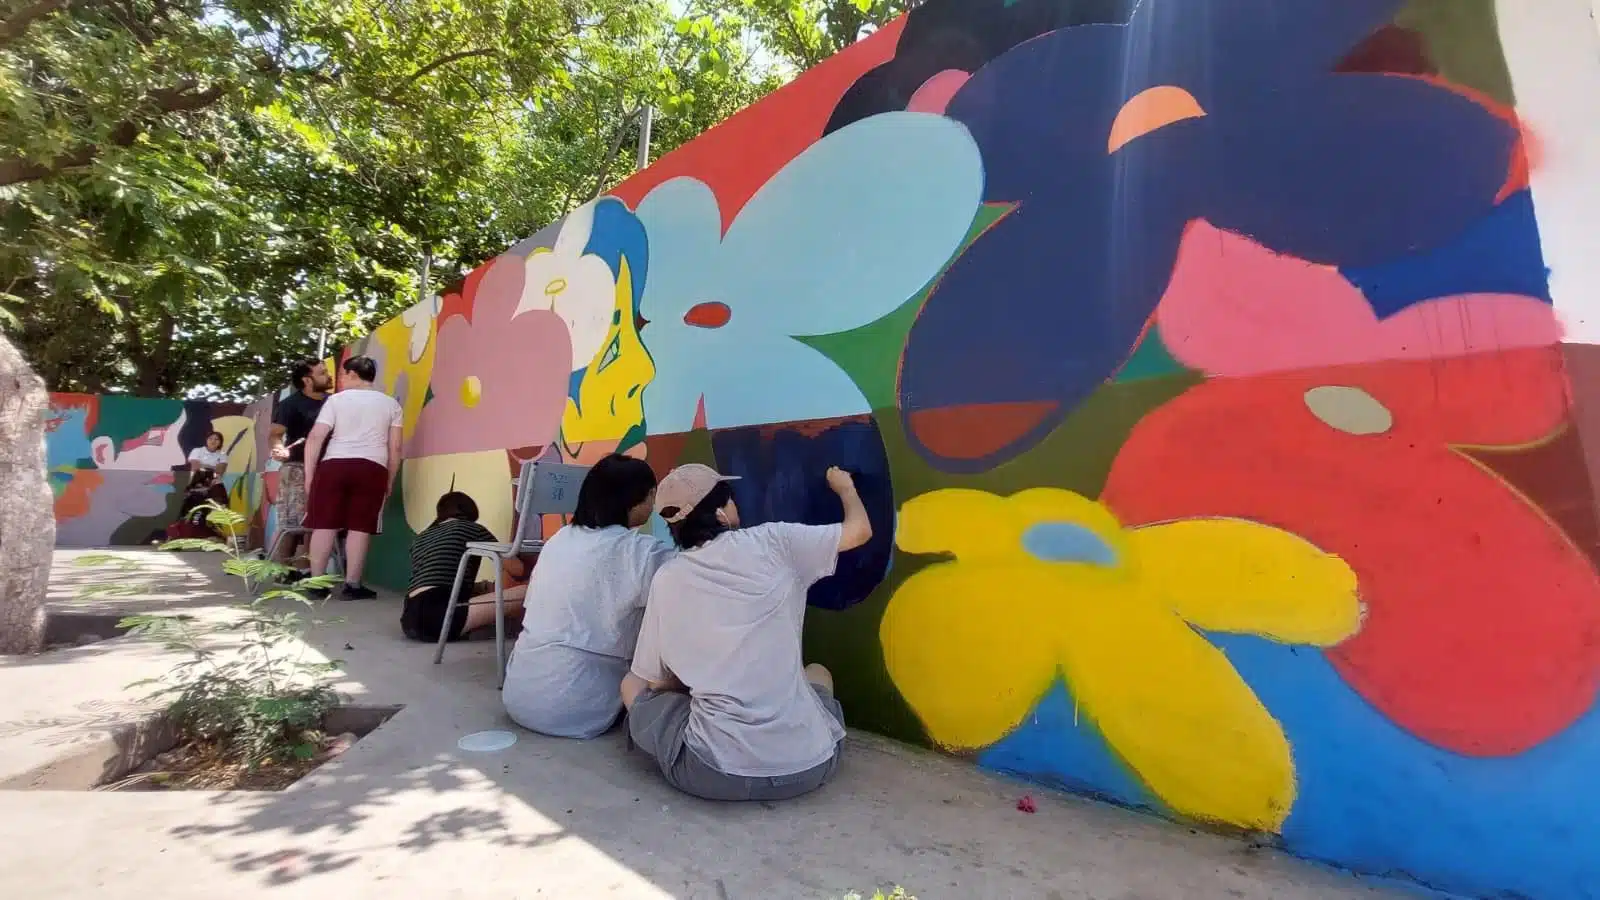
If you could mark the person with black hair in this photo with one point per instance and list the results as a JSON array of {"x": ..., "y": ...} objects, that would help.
[
  {"x": 207, "y": 465},
  {"x": 292, "y": 421},
  {"x": 718, "y": 693},
  {"x": 588, "y": 595},
  {"x": 435, "y": 556},
  {"x": 352, "y": 460}
]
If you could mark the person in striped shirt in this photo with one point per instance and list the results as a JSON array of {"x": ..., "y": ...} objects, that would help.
[{"x": 435, "y": 556}]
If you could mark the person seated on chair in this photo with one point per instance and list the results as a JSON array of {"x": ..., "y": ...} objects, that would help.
[
  {"x": 207, "y": 465},
  {"x": 588, "y": 595},
  {"x": 435, "y": 556},
  {"x": 718, "y": 694}
]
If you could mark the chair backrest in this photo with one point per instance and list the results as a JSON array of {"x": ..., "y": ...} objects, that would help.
[{"x": 544, "y": 488}]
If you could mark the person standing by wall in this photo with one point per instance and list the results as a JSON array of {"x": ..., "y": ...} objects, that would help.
[
  {"x": 352, "y": 458},
  {"x": 291, "y": 425}
]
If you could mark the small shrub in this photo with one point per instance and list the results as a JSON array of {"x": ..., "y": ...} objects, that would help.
[
  {"x": 253, "y": 701},
  {"x": 899, "y": 893}
]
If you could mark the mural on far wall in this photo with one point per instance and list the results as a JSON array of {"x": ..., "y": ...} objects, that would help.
[
  {"x": 1198, "y": 366},
  {"x": 118, "y": 464}
]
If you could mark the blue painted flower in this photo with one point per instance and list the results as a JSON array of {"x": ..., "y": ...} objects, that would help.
[
  {"x": 1111, "y": 139},
  {"x": 842, "y": 235},
  {"x": 782, "y": 478},
  {"x": 959, "y": 37}
]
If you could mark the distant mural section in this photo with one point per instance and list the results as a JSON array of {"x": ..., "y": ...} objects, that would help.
[
  {"x": 1196, "y": 360},
  {"x": 119, "y": 465}
]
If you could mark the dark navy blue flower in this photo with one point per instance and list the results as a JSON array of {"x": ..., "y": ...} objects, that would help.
[
  {"x": 782, "y": 470},
  {"x": 961, "y": 36},
  {"x": 1110, "y": 139}
]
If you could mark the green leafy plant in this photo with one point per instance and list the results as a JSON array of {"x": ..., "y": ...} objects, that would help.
[{"x": 244, "y": 687}]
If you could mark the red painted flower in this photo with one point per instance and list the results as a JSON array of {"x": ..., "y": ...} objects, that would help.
[{"x": 1483, "y": 617}]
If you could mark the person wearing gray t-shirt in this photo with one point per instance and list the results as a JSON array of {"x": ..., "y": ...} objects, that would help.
[{"x": 718, "y": 694}]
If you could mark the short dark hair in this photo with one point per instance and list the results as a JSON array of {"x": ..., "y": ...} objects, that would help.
[
  {"x": 702, "y": 524},
  {"x": 362, "y": 367},
  {"x": 300, "y": 371},
  {"x": 216, "y": 434},
  {"x": 613, "y": 487},
  {"x": 456, "y": 505}
]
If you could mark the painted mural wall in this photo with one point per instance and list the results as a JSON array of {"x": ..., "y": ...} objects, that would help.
[
  {"x": 1198, "y": 363},
  {"x": 118, "y": 464}
]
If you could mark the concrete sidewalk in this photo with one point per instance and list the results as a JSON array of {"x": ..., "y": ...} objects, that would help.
[{"x": 405, "y": 813}]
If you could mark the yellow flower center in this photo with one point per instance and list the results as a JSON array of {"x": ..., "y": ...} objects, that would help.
[{"x": 471, "y": 391}]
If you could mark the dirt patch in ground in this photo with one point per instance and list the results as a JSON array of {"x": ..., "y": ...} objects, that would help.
[{"x": 199, "y": 766}]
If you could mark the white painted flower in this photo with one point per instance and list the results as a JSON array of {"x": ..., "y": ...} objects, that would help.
[
  {"x": 419, "y": 319},
  {"x": 577, "y": 286}
]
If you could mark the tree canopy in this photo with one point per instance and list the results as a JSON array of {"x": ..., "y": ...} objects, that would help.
[{"x": 191, "y": 191}]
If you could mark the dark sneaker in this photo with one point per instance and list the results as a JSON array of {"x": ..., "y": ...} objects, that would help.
[
  {"x": 316, "y": 594},
  {"x": 357, "y": 592}
]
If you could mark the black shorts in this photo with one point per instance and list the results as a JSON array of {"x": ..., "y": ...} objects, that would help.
[{"x": 422, "y": 617}]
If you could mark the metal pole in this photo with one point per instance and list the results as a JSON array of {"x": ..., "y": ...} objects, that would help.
[
  {"x": 322, "y": 344},
  {"x": 646, "y": 118},
  {"x": 427, "y": 270}
]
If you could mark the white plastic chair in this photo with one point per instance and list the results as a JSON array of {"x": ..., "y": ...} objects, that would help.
[{"x": 542, "y": 489}]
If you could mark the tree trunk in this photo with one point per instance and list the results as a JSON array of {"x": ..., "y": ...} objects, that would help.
[{"x": 27, "y": 509}]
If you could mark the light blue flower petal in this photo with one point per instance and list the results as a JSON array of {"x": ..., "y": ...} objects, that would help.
[
  {"x": 686, "y": 367},
  {"x": 843, "y": 235},
  {"x": 684, "y": 228},
  {"x": 855, "y": 226}
]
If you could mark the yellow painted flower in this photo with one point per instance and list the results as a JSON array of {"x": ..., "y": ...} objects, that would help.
[
  {"x": 1046, "y": 584},
  {"x": 610, "y": 401}
]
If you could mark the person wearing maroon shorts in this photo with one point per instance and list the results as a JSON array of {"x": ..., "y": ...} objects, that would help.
[{"x": 352, "y": 458}]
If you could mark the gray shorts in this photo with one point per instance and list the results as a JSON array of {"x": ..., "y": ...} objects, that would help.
[{"x": 656, "y": 724}]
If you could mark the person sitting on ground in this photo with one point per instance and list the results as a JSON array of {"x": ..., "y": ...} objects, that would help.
[
  {"x": 718, "y": 694},
  {"x": 435, "y": 556},
  {"x": 588, "y": 592}
]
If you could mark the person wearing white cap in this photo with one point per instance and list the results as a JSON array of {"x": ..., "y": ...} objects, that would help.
[{"x": 718, "y": 693}]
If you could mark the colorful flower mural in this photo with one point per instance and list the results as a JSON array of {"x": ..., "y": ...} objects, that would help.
[
  {"x": 1113, "y": 612},
  {"x": 1357, "y": 443},
  {"x": 1198, "y": 363},
  {"x": 795, "y": 263},
  {"x": 1249, "y": 128}
]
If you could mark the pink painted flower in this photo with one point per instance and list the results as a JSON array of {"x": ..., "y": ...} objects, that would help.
[{"x": 500, "y": 378}]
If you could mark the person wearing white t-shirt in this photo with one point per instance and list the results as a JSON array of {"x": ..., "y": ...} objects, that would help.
[
  {"x": 209, "y": 458},
  {"x": 583, "y": 606},
  {"x": 352, "y": 459},
  {"x": 718, "y": 693},
  {"x": 207, "y": 464}
]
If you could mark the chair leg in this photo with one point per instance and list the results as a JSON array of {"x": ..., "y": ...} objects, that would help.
[
  {"x": 277, "y": 540},
  {"x": 450, "y": 610},
  {"x": 499, "y": 623}
]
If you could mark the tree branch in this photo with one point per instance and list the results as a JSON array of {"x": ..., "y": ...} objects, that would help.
[
  {"x": 165, "y": 101},
  {"x": 16, "y": 23},
  {"x": 442, "y": 61}
]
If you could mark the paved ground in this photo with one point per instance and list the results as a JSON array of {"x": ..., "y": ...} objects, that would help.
[{"x": 406, "y": 814}]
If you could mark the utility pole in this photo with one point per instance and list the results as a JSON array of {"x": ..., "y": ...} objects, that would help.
[{"x": 646, "y": 119}]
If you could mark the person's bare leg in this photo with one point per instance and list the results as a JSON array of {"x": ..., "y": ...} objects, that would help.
[
  {"x": 356, "y": 544},
  {"x": 820, "y": 676},
  {"x": 481, "y": 613},
  {"x": 321, "y": 549}
]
